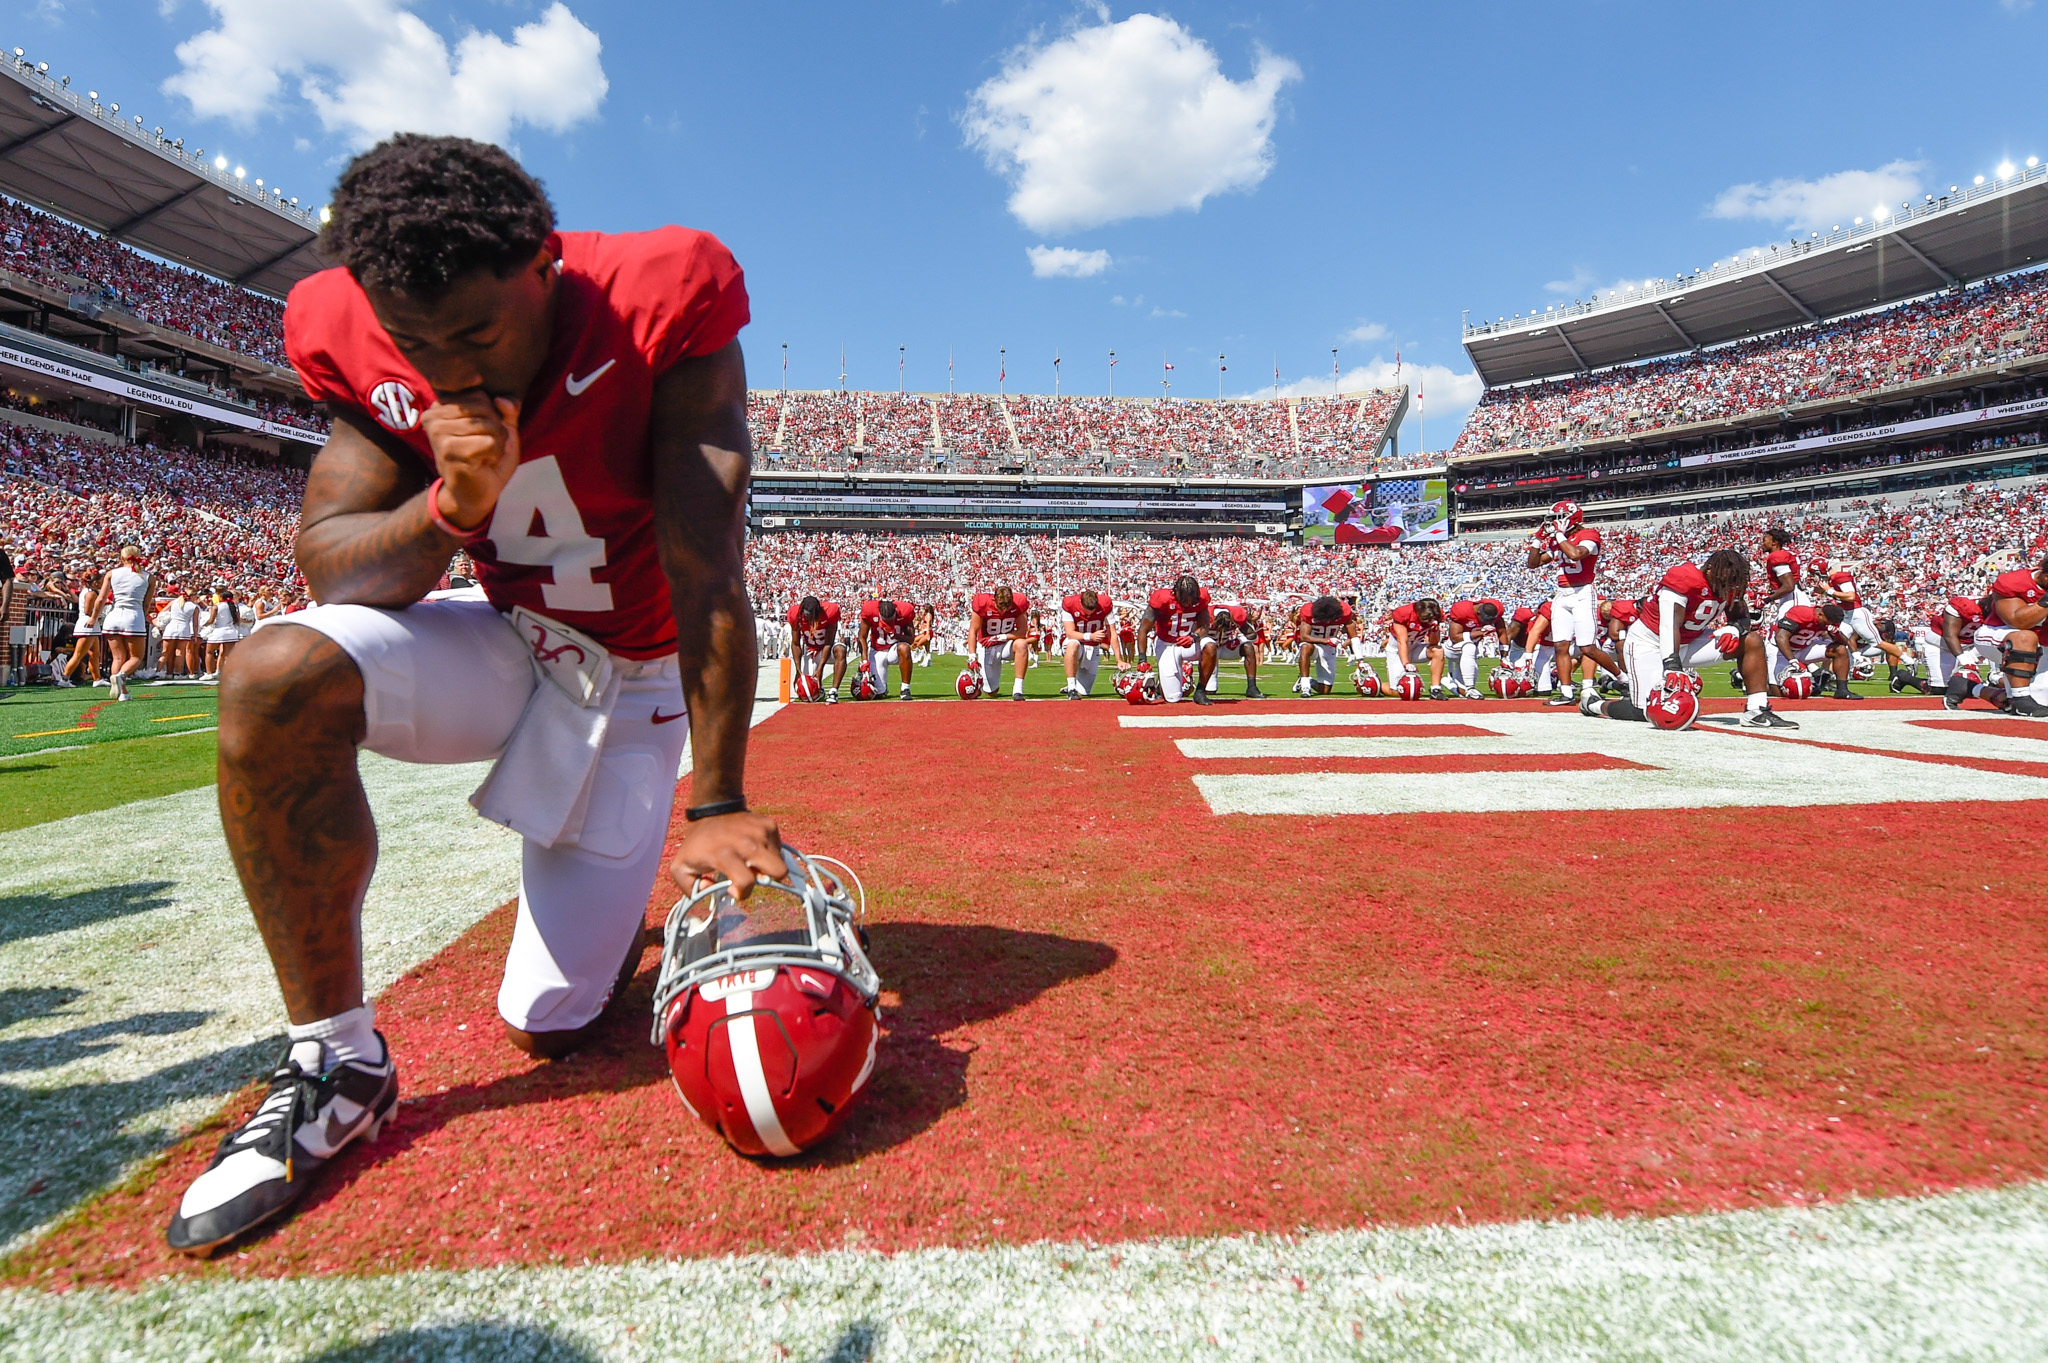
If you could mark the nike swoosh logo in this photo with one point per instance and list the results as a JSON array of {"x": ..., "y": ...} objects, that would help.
[
  {"x": 660, "y": 718},
  {"x": 576, "y": 385}
]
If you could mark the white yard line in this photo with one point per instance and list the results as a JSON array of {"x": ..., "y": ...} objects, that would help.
[
  {"x": 134, "y": 991},
  {"x": 1961, "y": 1276}
]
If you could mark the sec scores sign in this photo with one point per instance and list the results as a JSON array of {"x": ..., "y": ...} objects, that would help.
[{"x": 1835, "y": 758}]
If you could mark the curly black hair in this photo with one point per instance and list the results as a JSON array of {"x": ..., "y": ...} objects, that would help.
[{"x": 414, "y": 214}]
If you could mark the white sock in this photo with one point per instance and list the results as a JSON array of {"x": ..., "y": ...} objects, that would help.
[
  {"x": 1017, "y": 687},
  {"x": 345, "y": 1036},
  {"x": 1759, "y": 700}
]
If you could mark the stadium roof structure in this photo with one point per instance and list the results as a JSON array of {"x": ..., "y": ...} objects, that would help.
[
  {"x": 67, "y": 152},
  {"x": 1971, "y": 233}
]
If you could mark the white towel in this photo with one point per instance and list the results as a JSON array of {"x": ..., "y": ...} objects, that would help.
[{"x": 540, "y": 785}]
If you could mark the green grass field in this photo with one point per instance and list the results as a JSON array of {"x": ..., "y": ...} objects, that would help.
[{"x": 72, "y": 752}]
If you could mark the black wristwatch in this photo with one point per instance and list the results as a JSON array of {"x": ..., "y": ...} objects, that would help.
[{"x": 712, "y": 811}]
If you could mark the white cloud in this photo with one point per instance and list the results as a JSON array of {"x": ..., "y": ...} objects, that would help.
[
  {"x": 1064, "y": 262},
  {"x": 1817, "y": 205},
  {"x": 2016, "y": 6},
  {"x": 1125, "y": 120},
  {"x": 371, "y": 68},
  {"x": 1363, "y": 333}
]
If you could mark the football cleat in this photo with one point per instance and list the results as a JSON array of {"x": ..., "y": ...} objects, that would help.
[
  {"x": 831, "y": 695},
  {"x": 1957, "y": 692},
  {"x": 1797, "y": 685},
  {"x": 1252, "y": 691},
  {"x": 967, "y": 685},
  {"x": 2026, "y": 707},
  {"x": 1202, "y": 696},
  {"x": 1436, "y": 693},
  {"x": 1409, "y": 687},
  {"x": 1590, "y": 703},
  {"x": 1767, "y": 718},
  {"x": 1672, "y": 710},
  {"x": 1561, "y": 698},
  {"x": 266, "y": 1164},
  {"x": 767, "y": 1008}
]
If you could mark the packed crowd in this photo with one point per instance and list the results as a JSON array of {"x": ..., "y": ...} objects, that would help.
[
  {"x": 1908, "y": 556},
  {"x": 203, "y": 520},
  {"x": 1956, "y": 331},
  {"x": 981, "y": 433},
  {"x": 53, "y": 251}
]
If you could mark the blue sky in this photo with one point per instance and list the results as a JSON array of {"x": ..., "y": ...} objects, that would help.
[{"x": 1172, "y": 183}]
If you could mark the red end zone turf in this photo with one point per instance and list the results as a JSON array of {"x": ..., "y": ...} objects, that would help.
[{"x": 1114, "y": 1014}]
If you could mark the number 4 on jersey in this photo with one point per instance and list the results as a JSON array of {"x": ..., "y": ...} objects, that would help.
[{"x": 537, "y": 524}]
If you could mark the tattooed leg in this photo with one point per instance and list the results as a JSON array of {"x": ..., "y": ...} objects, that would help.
[{"x": 297, "y": 821}]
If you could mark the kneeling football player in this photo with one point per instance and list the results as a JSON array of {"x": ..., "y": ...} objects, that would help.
[
  {"x": 1701, "y": 618},
  {"x": 1237, "y": 638},
  {"x": 1176, "y": 626},
  {"x": 570, "y": 410},
  {"x": 1807, "y": 635},
  {"x": 814, "y": 624},
  {"x": 1084, "y": 623},
  {"x": 1321, "y": 626},
  {"x": 888, "y": 634},
  {"x": 2016, "y": 619},
  {"x": 1412, "y": 637},
  {"x": 995, "y": 629}
]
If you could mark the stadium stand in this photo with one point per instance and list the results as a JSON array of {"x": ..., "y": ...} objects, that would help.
[
  {"x": 1953, "y": 333},
  {"x": 978, "y": 433}
]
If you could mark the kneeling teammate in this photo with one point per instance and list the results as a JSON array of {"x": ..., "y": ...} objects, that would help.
[
  {"x": 439, "y": 346},
  {"x": 2015, "y": 618},
  {"x": 1320, "y": 625},
  {"x": 1177, "y": 624},
  {"x": 814, "y": 625},
  {"x": 1468, "y": 620},
  {"x": 1689, "y": 607},
  {"x": 1084, "y": 620},
  {"x": 1412, "y": 637},
  {"x": 995, "y": 626},
  {"x": 1947, "y": 642},
  {"x": 1237, "y": 639},
  {"x": 888, "y": 633},
  {"x": 1522, "y": 639},
  {"x": 1807, "y": 635}
]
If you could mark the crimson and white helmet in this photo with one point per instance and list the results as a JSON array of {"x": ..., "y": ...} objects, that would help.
[
  {"x": 1862, "y": 668},
  {"x": 1409, "y": 687},
  {"x": 767, "y": 1008},
  {"x": 806, "y": 687},
  {"x": 1504, "y": 682},
  {"x": 1818, "y": 566},
  {"x": 864, "y": 687},
  {"x": 1568, "y": 514},
  {"x": 967, "y": 685},
  {"x": 1672, "y": 709},
  {"x": 1136, "y": 686},
  {"x": 1365, "y": 679},
  {"x": 1797, "y": 685}
]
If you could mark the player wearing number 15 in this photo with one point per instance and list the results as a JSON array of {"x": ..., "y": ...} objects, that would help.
[{"x": 570, "y": 409}]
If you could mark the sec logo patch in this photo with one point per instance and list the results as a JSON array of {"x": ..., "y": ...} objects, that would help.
[{"x": 395, "y": 405}]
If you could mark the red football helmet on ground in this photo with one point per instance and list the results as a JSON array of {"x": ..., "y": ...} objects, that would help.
[
  {"x": 1567, "y": 514},
  {"x": 1136, "y": 686},
  {"x": 1409, "y": 687},
  {"x": 805, "y": 687},
  {"x": 1797, "y": 685},
  {"x": 1672, "y": 709},
  {"x": 1507, "y": 683},
  {"x": 864, "y": 687},
  {"x": 967, "y": 685},
  {"x": 1365, "y": 679},
  {"x": 766, "y": 1009}
]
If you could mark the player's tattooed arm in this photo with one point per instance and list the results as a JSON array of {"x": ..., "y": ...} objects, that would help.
[
  {"x": 365, "y": 537},
  {"x": 702, "y": 459}
]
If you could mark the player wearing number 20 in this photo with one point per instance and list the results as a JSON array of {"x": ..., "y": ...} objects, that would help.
[{"x": 570, "y": 409}]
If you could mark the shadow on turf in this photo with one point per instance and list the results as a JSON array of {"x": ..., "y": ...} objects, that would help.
[
  {"x": 503, "y": 1343},
  {"x": 23, "y": 916}
]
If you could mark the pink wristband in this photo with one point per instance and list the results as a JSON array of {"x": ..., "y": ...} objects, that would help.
[{"x": 450, "y": 527}]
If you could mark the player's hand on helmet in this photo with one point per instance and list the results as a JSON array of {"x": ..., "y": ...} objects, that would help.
[
  {"x": 743, "y": 848},
  {"x": 475, "y": 440},
  {"x": 1673, "y": 663}
]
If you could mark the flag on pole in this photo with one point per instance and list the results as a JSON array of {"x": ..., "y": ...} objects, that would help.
[{"x": 1169, "y": 364}]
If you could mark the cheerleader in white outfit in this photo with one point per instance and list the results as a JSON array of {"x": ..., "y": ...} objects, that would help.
[
  {"x": 178, "y": 626},
  {"x": 124, "y": 617},
  {"x": 221, "y": 629},
  {"x": 85, "y": 633}
]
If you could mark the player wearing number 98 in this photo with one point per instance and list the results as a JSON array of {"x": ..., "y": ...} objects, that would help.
[{"x": 569, "y": 408}]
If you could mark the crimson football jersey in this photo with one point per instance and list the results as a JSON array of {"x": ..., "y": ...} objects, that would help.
[
  {"x": 1466, "y": 614},
  {"x": 1808, "y": 627},
  {"x": 1229, "y": 623},
  {"x": 572, "y": 536},
  {"x": 1171, "y": 620},
  {"x": 998, "y": 626},
  {"x": 1844, "y": 583},
  {"x": 1700, "y": 612},
  {"x": 819, "y": 635},
  {"x": 1781, "y": 570},
  {"x": 1622, "y": 612},
  {"x": 1579, "y": 572},
  {"x": 1089, "y": 623},
  {"x": 1408, "y": 619},
  {"x": 882, "y": 634},
  {"x": 1307, "y": 627},
  {"x": 1968, "y": 614},
  {"x": 2017, "y": 585}
]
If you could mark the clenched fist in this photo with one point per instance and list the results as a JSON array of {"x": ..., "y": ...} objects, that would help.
[{"x": 475, "y": 440}]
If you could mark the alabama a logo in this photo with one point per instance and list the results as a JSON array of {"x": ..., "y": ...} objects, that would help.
[{"x": 395, "y": 405}]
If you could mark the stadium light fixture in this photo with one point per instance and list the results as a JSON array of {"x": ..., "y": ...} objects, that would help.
[
  {"x": 243, "y": 174},
  {"x": 117, "y": 109},
  {"x": 66, "y": 82},
  {"x": 2005, "y": 170},
  {"x": 19, "y": 53},
  {"x": 93, "y": 95},
  {"x": 2033, "y": 161},
  {"x": 220, "y": 163},
  {"x": 1979, "y": 180},
  {"x": 325, "y": 215},
  {"x": 42, "y": 68}
]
